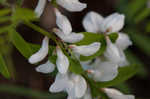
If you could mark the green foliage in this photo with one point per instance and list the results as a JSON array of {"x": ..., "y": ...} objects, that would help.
[
  {"x": 23, "y": 14},
  {"x": 143, "y": 15},
  {"x": 3, "y": 68},
  {"x": 20, "y": 43},
  {"x": 19, "y": 2},
  {"x": 2, "y": 1},
  {"x": 124, "y": 74},
  {"x": 134, "y": 7},
  {"x": 134, "y": 59},
  {"x": 27, "y": 92},
  {"x": 75, "y": 66},
  {"x": 141, "y": 41},
  {"x": 90, "y": 38},
  {"x": 4, "y": 12}
]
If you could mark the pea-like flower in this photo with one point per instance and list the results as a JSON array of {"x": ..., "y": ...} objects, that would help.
[
  {"x": 74, "y": 85},
  {"x": 62, "y": 64},
  {"x": 47, "y": 67},
  {"x": 42, "y": 53},
  {"x": 115, "y": 94},
  {"x": 86, "y": 50},
  {"x": 65, "y": 30},
  {"x": 95, "y": 23},
  {"x": 70, "y": 5}
]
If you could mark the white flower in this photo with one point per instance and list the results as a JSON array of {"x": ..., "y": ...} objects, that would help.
[
  {"x": 40, "y": 7},
  {"x": 86, "y": 50},
  {"x": 62, "y": 61},
  {"x": 96, "y": 23},
  {"x": 72, "y": 5},
  {"x": 112, "y": 52},
  {"x": 65, "y": 29},
  {"x": 115, "y": 94},
  {"x": 113, "y": 23},
  {"x": 70, "y": 38},
  {"x": 123, "y": 41},
  {"x": 48, "y": 67},
  {"x": 74, "y": 85},
  {"x": 92, "y": 22},
  {"x": 60, "y": 84},
  {"x": 104, "y": 71},
  {"x": 42, "y": 53}
]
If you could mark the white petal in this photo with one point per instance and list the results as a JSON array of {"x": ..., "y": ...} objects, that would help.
[
  {"x": 86, "y": 50},
  {"x": 112, "y": 53},
  {"x": 92, "y": 22},
  {"x": 42, "y": 53},
  {"x": 115, "y": 94},
  {"x": 105, "y": 71},
  {"x": 40, "y": 7},
  {"x": 72, "y": 5},
  {"x": 60, "y": 83},
  {"x": 70, "y": 38},
  {"x": 123, "y": 60},
  {"x": 62, "y": 61},
  {"x": 123, "y": 41},
  {"x": 80, "y": 86},
  {"x": 87, "y": 94},
  {"x": 63, "y": 23},
  {"x": 113, "y": 23},
  {"x": 48, "y": 67}
]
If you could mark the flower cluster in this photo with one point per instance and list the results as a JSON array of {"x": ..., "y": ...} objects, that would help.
[{"x": 102, "y": 68}]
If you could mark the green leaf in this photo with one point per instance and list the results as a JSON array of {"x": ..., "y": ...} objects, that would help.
[
  {"x": 23, "y": 14},
  {"x": 134, "y": 7},
  {"x": 124, "y": 74},
  {"x": 90, "y": 38},
  {"x": 141, "y": 16},
  {"x": 113, "y": 37},
  {"x": 28, "y": 92},
  {"x": 141, "y": 41},
  {"x": 2, "y": 1},
  {"x": 19, "y": 2},
  {"x": 53, "y": 59},
  {"x": 95, "y": 90},
  {"x": 75, "y": 66},
  {"x": 20, "y": 43},
  {"x": 134, "y": 59},
  {"x": 4, "y": 12},
  {"x": 3, "y": 67}
]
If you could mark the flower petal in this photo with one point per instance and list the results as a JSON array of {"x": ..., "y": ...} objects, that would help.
[
  {"x": 105, "y": 71},
  {"x": 42, "y": 53},
  {"x": 80, "y": 85},
  {"x": 72, "y": 5},
  {"x": 115, "y": 94},
  {"x": 63, "y": 23},
  {"x": 123, "y": 60},
  {"x": 123, "y": 41},
  {"x": 60, "y": 83},
  {"x": 40, "y": 7},
  {"x": 86, "y": 50},
  {"x": 70, "y": 38},
  {"x": 92, "y": 22},
  {"x": 48, "y": 67},
  {"x": 62, "y": 61},
  {"x": 113, "y": 23},
  {"x": 112, "y": 53}
]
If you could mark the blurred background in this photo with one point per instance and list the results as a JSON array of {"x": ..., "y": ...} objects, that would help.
[{"x": 26, "y": 83}]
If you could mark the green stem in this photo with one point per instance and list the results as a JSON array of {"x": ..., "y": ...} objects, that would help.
[{"x": 42, "y": 31}]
